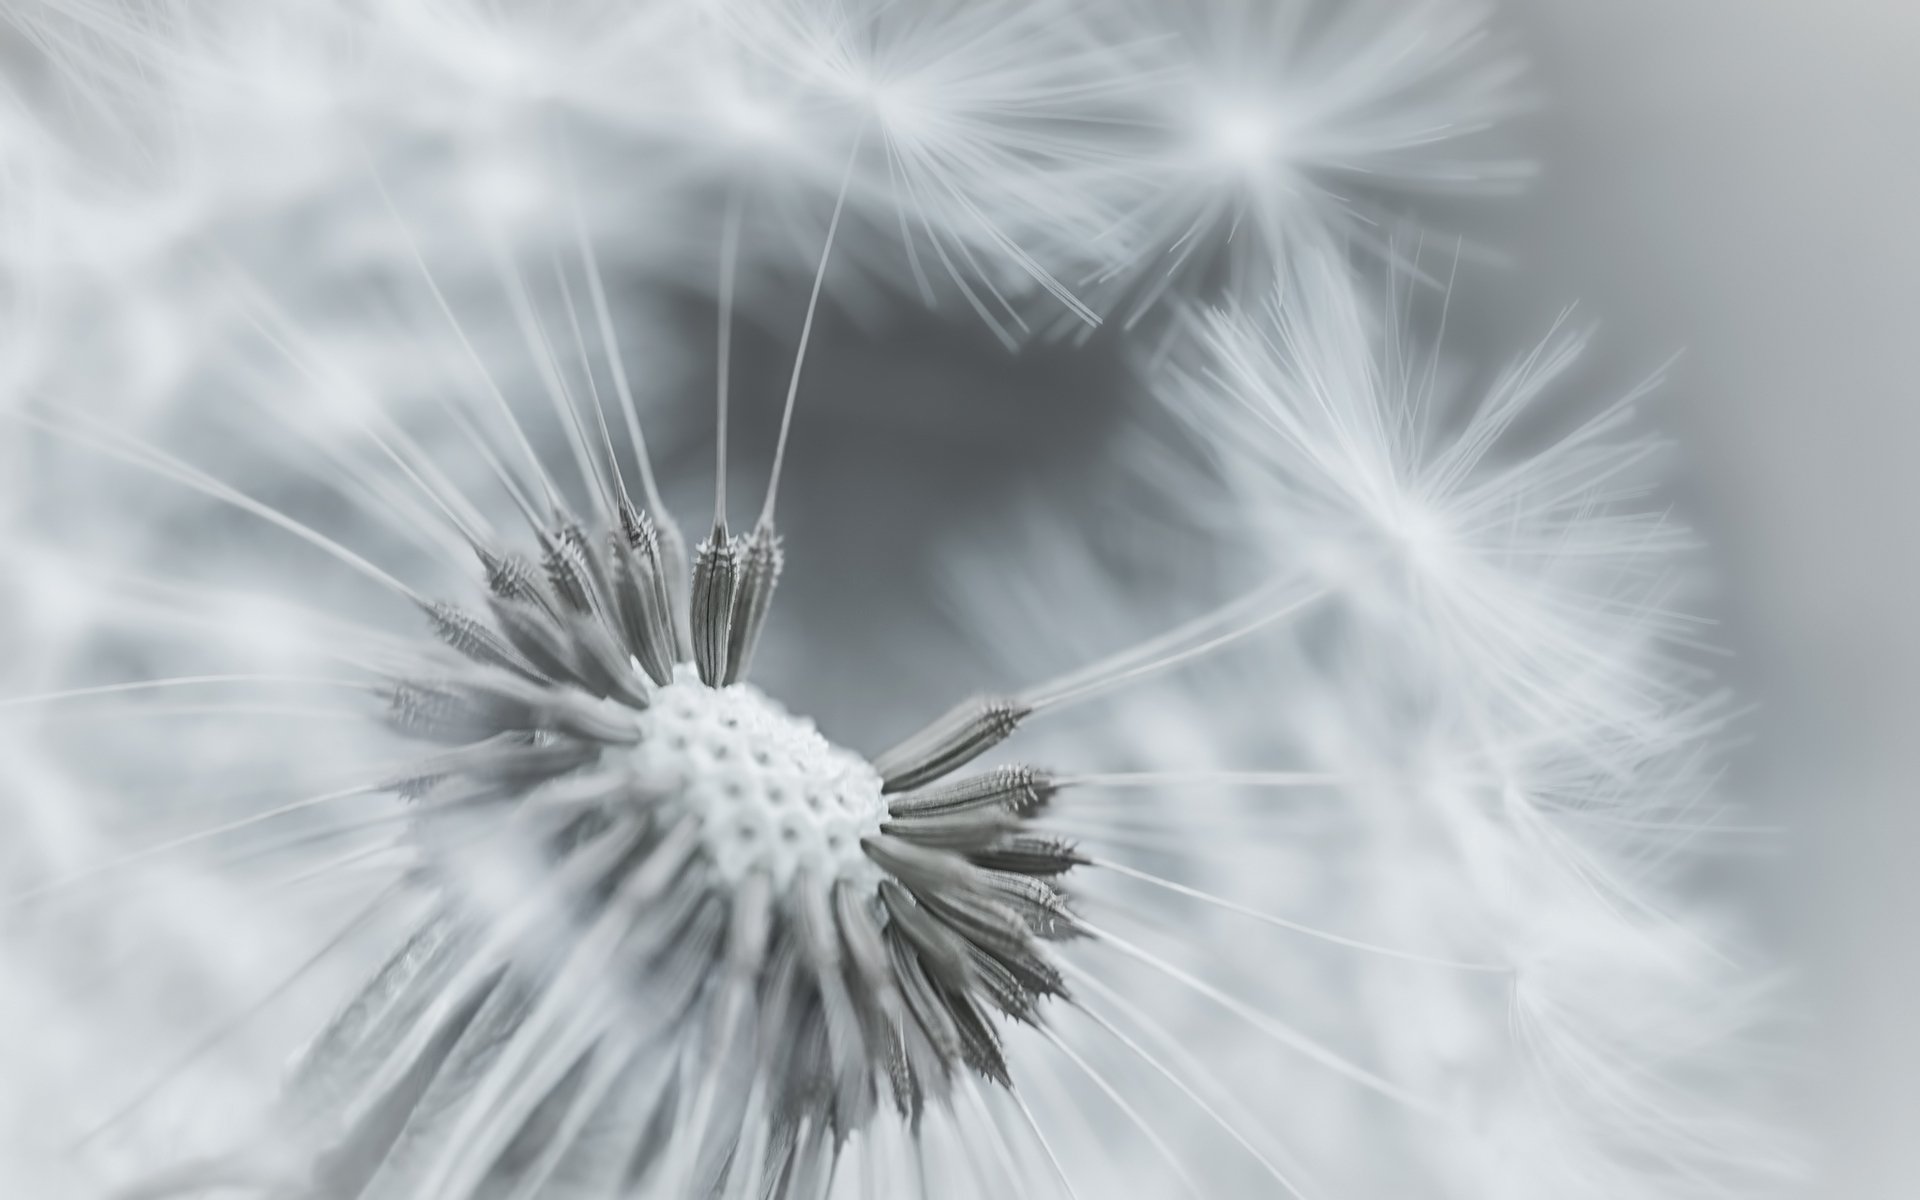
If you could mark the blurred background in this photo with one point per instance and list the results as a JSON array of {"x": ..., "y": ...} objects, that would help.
[
  {"x": 1739, "y": 181},
  {"x": 1733, "y": 180}
]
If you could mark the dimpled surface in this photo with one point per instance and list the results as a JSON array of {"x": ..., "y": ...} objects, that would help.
[{"x": 771, "y": 794}]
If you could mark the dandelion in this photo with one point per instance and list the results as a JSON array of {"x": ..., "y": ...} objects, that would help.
[
  {"x": 652, "y": 893},
  {"x": 398, "y": 811}
]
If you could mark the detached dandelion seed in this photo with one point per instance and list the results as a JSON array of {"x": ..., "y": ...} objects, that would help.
[{"x": 1275, "y": 126}]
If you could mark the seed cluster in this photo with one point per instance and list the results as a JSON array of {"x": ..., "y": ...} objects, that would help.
[
  {"x": 724, "y": 943},
  {"x": 771, "y": 795}
]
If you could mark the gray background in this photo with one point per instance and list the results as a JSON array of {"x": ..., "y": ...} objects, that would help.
[{"x": 1740, "y": 179}]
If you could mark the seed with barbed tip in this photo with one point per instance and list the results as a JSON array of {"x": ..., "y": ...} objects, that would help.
[
  {"x": 761, "y": 559},
  {"x": 966, "y": 732},
  {"x": 1020, "y": 790},
  {"x": 716, "y": 574}
]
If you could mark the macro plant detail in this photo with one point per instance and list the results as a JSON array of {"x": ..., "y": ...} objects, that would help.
[
  {"x": 826, "y": 930},
  {"x": 404, "y": 807}
]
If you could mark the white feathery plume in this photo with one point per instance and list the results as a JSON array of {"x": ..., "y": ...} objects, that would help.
[
  {"x": 1522, "y": 944},
  {"x": 957, "y": 132},
  {"x": 448, "y": 131},
  {"x": 1502, "y": 674},
  {"x": 311, "y": 146},
  {"x": 1532, "y": 569},
  {"x": 1267, "y": 124}
]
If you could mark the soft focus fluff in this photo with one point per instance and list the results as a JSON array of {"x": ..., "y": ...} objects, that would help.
[{"x": 389, "y": 812}]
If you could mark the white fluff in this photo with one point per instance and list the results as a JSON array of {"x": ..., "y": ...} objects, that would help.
[{"x": 1394, "y": 884}]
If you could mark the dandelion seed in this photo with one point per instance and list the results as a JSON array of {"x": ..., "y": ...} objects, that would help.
[
  {"x": 967, "y": 123},
  {"x": 1349, "y": 449},
  {"x": 1272, "y": 126},
  {"x": 663, "y": 894}
]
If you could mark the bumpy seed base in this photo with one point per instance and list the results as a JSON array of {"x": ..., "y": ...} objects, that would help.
[{"x": 771, "y": 794}]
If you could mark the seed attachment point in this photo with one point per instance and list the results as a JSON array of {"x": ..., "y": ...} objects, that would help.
[{"x": 962, "y": 735}]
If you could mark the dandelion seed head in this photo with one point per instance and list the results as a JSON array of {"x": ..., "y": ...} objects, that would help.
[
  {"x": 772, "y": 795},
  {"x": 650, "y": 850}
]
